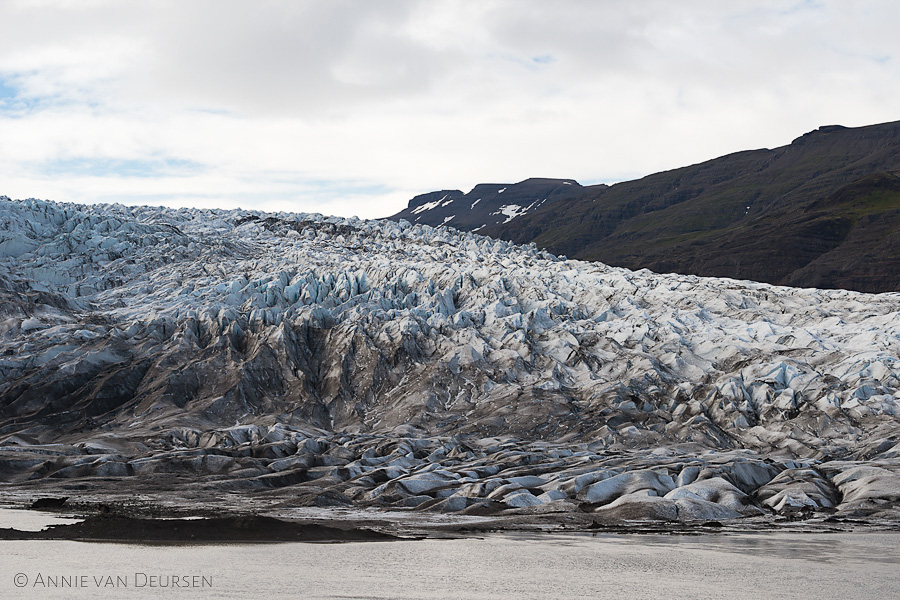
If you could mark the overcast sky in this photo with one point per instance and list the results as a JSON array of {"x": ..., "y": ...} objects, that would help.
[{"x": 353, "y": 107}]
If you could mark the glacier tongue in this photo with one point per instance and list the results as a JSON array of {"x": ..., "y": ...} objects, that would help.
[{"x": 129, "y": 326}]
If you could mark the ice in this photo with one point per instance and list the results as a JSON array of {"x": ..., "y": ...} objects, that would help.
[
  {"x": 151, "y": 320},
  {"x": 607, "y": 490}
]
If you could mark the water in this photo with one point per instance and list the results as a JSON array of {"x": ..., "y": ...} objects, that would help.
[
  {"x": 736, "y": 566},
  {"x": 31, "y": 520}
]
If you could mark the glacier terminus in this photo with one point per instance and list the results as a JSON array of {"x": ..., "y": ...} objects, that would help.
[{"x": 285, "y": 361}]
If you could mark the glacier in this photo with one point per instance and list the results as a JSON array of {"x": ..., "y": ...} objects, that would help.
[{"x": 327, "y": 361}]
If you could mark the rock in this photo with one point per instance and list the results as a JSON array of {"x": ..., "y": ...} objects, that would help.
[{"x": 45, "y": 503}]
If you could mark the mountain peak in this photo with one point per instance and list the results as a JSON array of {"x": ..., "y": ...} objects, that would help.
[{"x": 488, "y": 203}]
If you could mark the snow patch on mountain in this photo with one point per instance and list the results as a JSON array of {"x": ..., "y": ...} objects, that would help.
[
  {"x": 510, "y": 211},
  {"x": 432, "y": 205}
]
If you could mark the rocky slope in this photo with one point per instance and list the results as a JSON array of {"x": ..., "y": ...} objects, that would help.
[
  {"x": 340, "y": 361},
  {"x": 823, "y": 211}
]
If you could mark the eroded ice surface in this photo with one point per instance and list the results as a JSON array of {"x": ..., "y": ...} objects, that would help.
[{"x": 390, "y": 364}]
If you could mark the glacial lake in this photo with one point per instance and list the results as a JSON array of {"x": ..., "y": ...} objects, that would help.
[{"x": 521, "y": 566}]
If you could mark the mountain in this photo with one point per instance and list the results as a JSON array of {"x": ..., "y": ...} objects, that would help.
[
  {"x": 823, "y": 211},
  {"x": 487, "y": 204},
  {"x": 245, "y": 357}
]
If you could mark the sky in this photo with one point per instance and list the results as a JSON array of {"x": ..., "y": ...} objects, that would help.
[{"x": 352, "y": 107}]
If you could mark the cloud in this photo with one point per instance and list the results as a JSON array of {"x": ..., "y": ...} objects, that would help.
[{"x": 354, "y": 106}]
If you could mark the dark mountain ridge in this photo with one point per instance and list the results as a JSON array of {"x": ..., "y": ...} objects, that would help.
[
  {"x": 488, "y": 204},
  {"x": 823, "y": 211}
]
